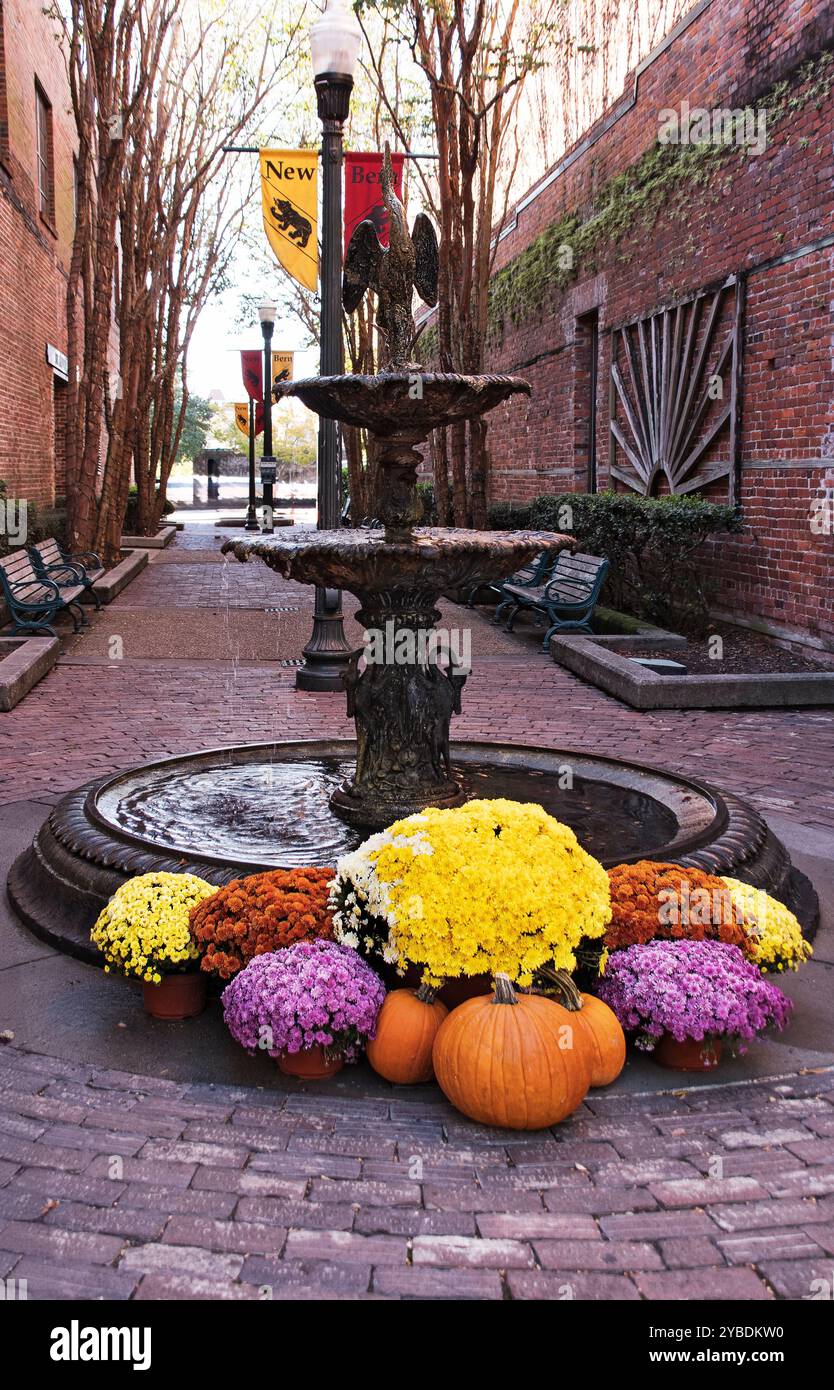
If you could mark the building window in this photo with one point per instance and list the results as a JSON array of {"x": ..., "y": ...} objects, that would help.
[
  {"x": 46, "y": 167},
  {"x": 4, "y": 108}
]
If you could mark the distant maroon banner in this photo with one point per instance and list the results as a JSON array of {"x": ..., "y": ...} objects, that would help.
[
  {"x": 363, "y": 192},
  {"x": 252, "y": 366}
]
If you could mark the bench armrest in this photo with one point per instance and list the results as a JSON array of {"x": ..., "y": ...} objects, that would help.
[
  {"x": 88, "y": 559},
  {"x": 74, "y": 574},
  {"x": 563, "y": 590},
  {"x": 44, "y": 601}
]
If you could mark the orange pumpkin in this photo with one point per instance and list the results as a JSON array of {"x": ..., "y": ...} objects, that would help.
[
  {"x": 405, "y": 1032},
  {"x": 511, "y": 1060},
  {"x": 606, "y": 1037}
]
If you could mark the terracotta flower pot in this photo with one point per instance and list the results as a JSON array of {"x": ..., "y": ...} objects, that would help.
[
  {"x": 693, "y": 1054},
  {"x": 311, "y": 1064},
  {"x": 177, "y": 996}
]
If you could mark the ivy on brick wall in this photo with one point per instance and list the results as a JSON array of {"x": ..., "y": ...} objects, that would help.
[
  {"x": 650, "y": 543},
  {"x": 632, "y": 198}
]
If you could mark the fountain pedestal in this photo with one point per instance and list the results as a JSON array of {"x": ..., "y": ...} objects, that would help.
[{"x": 402, "y": 706}]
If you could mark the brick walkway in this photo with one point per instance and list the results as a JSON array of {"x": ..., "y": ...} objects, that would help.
[{"x": 121, "y": 1186}]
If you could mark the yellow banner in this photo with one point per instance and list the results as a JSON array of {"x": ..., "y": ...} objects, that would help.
[
  {"x": 282, "y": 366},
  {"x": 242, "y": 417},
  {"x": 289, "y": 194}
]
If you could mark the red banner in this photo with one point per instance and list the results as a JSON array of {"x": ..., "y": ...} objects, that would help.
[
  {"x": 363, "y": 192},
  {"x": 252, "y": 366}
]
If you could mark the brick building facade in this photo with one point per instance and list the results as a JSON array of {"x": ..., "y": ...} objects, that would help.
[
  {"x": 643, "y": 226},
  {"x": 37, "y": 218}
]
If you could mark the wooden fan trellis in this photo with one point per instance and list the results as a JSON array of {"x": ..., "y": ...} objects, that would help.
[{"x": 675, "y": 379}]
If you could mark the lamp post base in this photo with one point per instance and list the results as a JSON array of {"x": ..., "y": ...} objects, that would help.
[
  {"x": 327, "y": 655},
  {"x": 251, "y": 522}
]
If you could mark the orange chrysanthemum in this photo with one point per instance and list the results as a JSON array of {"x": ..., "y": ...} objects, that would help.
[
  {"x": 651, "y": 900},
  {"x": 266, "y": 912}
]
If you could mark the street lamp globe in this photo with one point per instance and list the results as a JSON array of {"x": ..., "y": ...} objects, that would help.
[
  {"x": 335, "y": 38},
  {"x": 267, "y": 311}
]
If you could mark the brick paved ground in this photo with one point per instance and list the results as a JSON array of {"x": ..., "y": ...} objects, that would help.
[
  {"x": 131, "y": 1186},
  {"x": 122, "y": 1186}
]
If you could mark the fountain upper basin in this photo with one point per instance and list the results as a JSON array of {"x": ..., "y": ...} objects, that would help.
[
  {"x": 436, "y": 559},
  {"x": 403, "y": 405}
]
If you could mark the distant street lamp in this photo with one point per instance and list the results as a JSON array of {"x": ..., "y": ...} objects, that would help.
[
  {"x": 335, "y": 41},
  {"x": 251, "y": 523},
  {"x": 266, "y": 313}
]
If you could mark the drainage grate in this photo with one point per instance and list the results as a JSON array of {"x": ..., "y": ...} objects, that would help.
[
  {"x": 287, "y": 608},
  {"x": 292, "y": 661}
]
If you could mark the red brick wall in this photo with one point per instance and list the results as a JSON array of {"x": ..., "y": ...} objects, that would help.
[
  {"x": 35, "y": 253},
  {"x": 757, "y": 215}
]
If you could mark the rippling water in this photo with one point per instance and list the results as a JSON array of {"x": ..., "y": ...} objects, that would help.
[{"x": 278, "y": 813}]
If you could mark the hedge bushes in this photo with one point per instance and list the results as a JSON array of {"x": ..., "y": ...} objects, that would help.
[
  {"x": 650, "y": 543},
  {"x": 42, "y": 523}
]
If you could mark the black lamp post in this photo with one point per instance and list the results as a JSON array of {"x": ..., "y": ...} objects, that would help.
[
  {"x": 251, "y": 523},
  {"x": 266, "y": 313},
  {"x": 335, "y": 40}
]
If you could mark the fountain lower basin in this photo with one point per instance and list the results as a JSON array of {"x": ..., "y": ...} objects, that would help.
[{"x": 234, "y": 811}]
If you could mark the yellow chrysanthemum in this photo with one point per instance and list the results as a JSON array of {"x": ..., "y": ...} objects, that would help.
[
  {"x": 143, "y": 930},
  {"x": 490, "y": 886},
  {"x": 774, "y": 936}
]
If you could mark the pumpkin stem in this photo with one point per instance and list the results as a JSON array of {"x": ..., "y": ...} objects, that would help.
[
  {"x": 563, "y": 987},
  {"x": 504, "y": 992},
  {"x": 426, "y": 994}
]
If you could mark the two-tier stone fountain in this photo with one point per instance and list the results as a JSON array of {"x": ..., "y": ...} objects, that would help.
[
  {"x": 402, "y": 707},
  {"x": 231, "y": 811}
]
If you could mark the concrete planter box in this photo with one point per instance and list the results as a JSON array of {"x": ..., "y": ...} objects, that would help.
[
  {"x": 163, "y": 537},
  {"x": 604, "y": 662},
  {"x": 111, "y": 583},
  {"x": 23, "y": 662}
]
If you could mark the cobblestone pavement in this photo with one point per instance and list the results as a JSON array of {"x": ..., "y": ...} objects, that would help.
[
  {"x": 115, "y": 1185},
  {"x": 121, "y": 1186}
]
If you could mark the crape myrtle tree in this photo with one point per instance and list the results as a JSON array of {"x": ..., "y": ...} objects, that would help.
[
  {"x": 158, "y": 88},
  {"x": 475, "y": 56}
]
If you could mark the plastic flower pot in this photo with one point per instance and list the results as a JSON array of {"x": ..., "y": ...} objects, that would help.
[
  {"x": 690, "y": 1054},
  {"x": 176, "y": 996},
  {"x": 311, "y": 1064}
]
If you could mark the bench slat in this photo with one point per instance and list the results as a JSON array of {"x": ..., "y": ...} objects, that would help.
[{"x": 50, "y": 552}]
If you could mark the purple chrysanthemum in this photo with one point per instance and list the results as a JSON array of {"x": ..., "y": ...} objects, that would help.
[
  {"x": 315, "y": 993},
  {"x": 690, "y": 989}
]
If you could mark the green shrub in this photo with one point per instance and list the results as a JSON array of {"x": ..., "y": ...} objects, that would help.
[
  {"x": 509, "y": 516},
  {"x": 425, "y": 491},
  {"x": 42, "y": 523},
  {"x": 650, "y": 543},
  {"x": 131, "y": 521}
]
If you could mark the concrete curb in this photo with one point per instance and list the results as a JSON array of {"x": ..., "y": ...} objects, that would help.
[
  {"x": 163, "y": 537},
  {"x": 645, "y": 690},
  {"x": 111, "y": 583},
  {"x": 23, "y": 662}
]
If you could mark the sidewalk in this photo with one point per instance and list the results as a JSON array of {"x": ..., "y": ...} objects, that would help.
[{"x": 159, "y": 1184}]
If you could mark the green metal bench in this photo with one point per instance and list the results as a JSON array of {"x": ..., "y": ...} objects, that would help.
[
  {"x": 34, "y": 602},
  {"x": 65, "y": 569},
  {"x": 534, "y": 572},
  {"x": 567, "y": 598}
]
